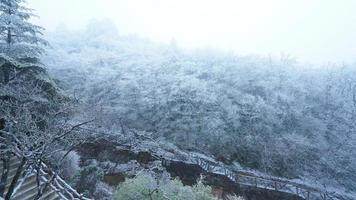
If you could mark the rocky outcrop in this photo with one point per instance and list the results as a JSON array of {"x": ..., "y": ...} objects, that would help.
[{"x": 119, "y": 161}]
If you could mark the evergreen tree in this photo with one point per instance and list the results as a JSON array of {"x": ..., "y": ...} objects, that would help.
[{"x": 18, "y": 37}]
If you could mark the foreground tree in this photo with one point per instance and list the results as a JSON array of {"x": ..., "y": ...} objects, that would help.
[
  {"x": 35, "y": 124},
  {"x": 18, "y": 37}
]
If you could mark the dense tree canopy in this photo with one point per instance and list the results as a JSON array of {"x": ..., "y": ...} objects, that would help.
[{"x": 274, "y": 115}]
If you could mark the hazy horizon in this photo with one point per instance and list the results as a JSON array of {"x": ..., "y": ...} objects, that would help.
[{"x": 318, "y": 31}]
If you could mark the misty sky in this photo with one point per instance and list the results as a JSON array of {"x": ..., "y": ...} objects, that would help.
[{"x": 316, "y": 31}]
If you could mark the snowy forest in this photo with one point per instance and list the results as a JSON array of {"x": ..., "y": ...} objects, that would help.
[{"x": 71, "y": 100}]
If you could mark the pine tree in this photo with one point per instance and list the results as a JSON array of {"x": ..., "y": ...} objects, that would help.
[{"x": 18, "y": 37}]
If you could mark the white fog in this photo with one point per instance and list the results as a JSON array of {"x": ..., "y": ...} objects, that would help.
[
  {"x": 317, "y": 31},
  {"x": 177, "y": 100}
]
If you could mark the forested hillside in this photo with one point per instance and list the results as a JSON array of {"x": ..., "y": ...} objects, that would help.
[{"x": 274, "y": 115}]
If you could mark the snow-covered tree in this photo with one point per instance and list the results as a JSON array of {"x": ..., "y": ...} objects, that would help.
[
  {"x": 19, "y": 38},
  {"x": 34, "y": 123},
  {"x": 269, "y": 114}
]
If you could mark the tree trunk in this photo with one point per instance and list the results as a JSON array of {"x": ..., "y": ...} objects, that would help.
[
  {"x": 4, "y": 175},
  {"x": 15, "y": 179},
  {"x": 9, "y": 39},
  {"x": 6, "y": 74},
  {"x": 2, "y": 123}
]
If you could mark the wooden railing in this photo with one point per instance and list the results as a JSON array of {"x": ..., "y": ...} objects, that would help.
[
  {"x": 65, "y": 191},
  {"x": 300, "y": 190},
  {"x": 268, "y": 182},
  {"x": 244, "y": 177},
  {"x": 212, "y": 166}
]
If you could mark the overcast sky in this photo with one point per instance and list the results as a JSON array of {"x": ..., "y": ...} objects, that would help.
[{"x": 317, "y": 31}]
